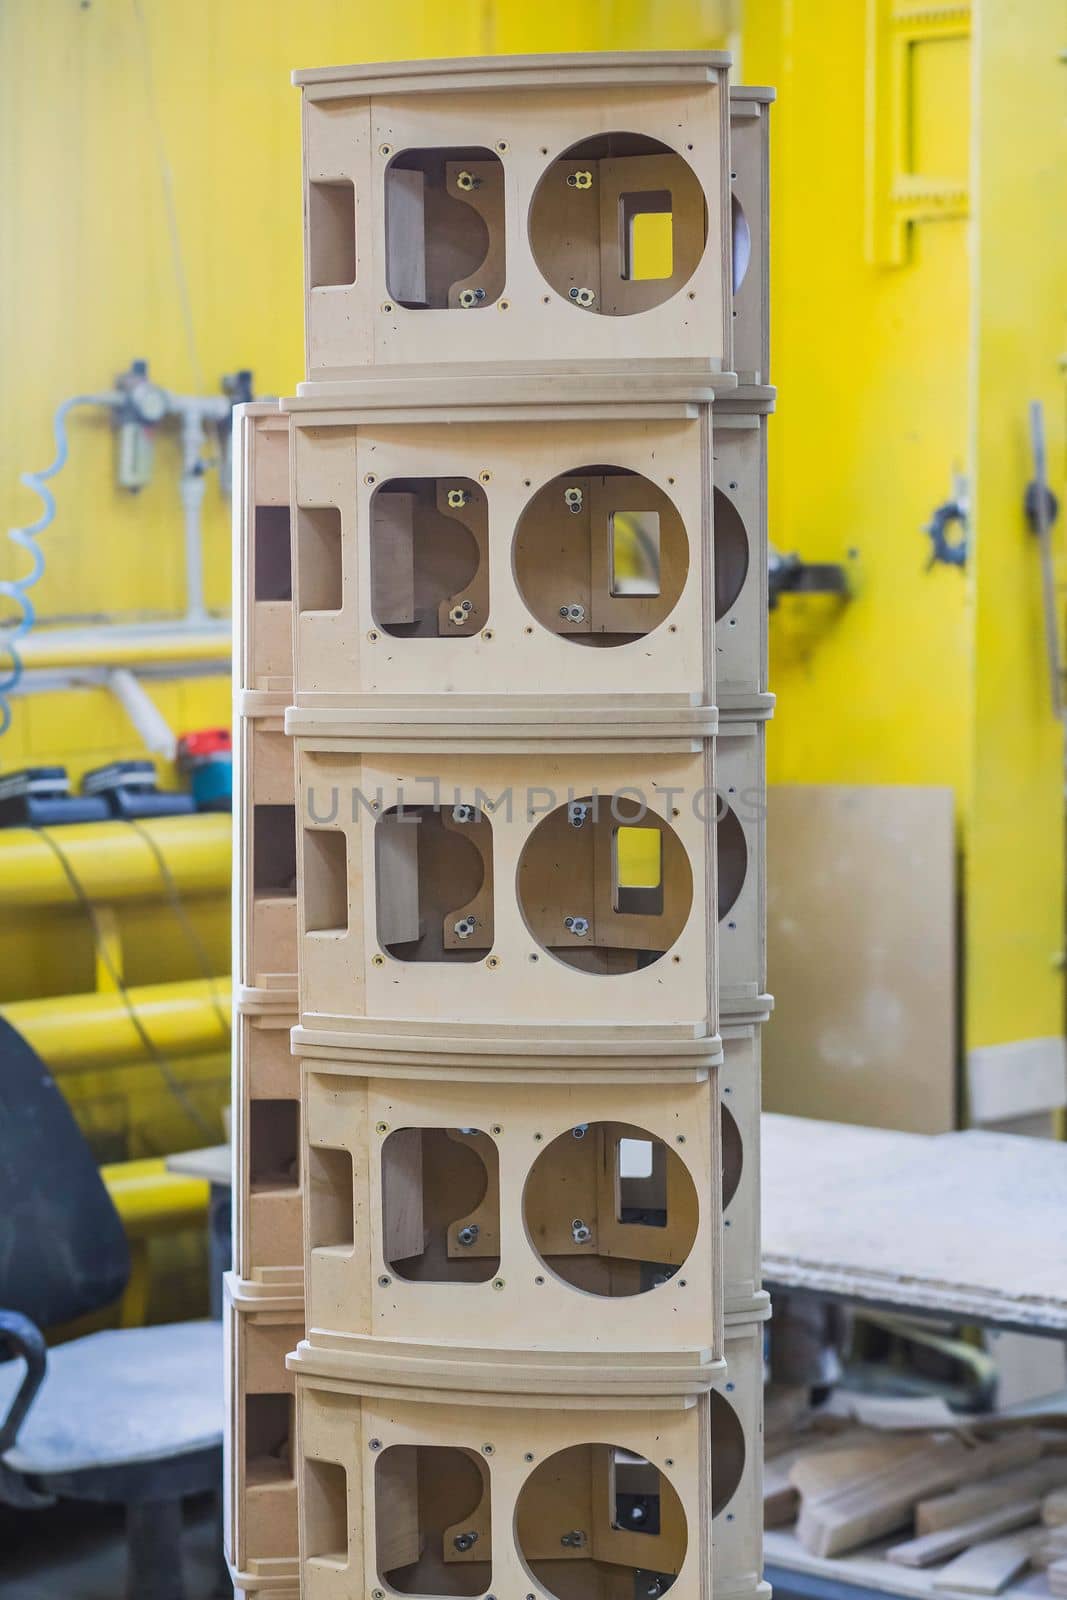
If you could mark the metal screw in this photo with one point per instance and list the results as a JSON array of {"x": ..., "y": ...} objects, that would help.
[
  {"x": 381, "y": 1127},
  {"x": 582, "y": 296},
  {"x": 463, "y": 813},
  {"x": 572, "y": 613},
  {"x": 374, "y": 1444},
  {"x": 577, "y": 812},
  {"x": 464, "y": 927},
  {"x": 465, "y": 1541},
  {"x": 467, "y": 181},
  {"x": 471, "y": 297},
  {"x": 377, "y": 961},
  {"x": 487, "y": 1449},
  {"x": 581, "y": 179},
  {"x": 469, "y": 1234},
  {"x": 498, "y": 1283},
  {"x": 581, "y": 1232},
  {"x": 457, "y": 498},
  {"x": 579, "y": 926},
  {"x": 383, "y": 1281},
  {"x": 459, "y": 615},
  {"x": 575, "y": 1540},
  {"x": 573, "y": 499}
]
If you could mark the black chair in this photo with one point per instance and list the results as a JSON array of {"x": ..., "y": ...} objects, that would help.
[{"x": 131, "y": 1416}]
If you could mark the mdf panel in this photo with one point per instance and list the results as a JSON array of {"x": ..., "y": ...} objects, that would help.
[{"x": 862, "y": 936}]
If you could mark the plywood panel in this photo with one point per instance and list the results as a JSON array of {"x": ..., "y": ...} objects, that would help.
[{"x": 861, "y": 932}]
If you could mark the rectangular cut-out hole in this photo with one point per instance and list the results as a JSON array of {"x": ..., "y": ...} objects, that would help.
[
  {"x": 444, "y": 228},
  {"x": 325, "y": 1500},
  {"x": 325, "y": 881},
  {"x": 646, "y": 225},
  {"x": 319, "y": 555},
  {"x": 634, "y": 1501},
  {"x": 274, "y": 1144},
  {"x": 641, "y": 1182},
  {"x": 639, "y": 871},
  {"x": 332, "y": 233},
  {"x": 635, "y": 1158},
  {"x": 432, "y": 1525},
  {"x": 273, "y": 554},
  {"x": 274, "y": 851},
  {"x": 440, "y": 1205},
  {"x": 635, "y": 558},
  {"x": 268, "y": 1438},
  {"x": 331, "y": 1205}
]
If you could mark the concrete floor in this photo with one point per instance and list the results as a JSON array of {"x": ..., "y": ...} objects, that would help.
[{"x": 78, "y": 1552}]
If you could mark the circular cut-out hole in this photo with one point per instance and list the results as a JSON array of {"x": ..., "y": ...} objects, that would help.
[
  {"x": 733, "y": 859},
  {"x": 615, "y": 1239},
  {"x": 731, "y": 554},
  {"x": 742, "y": 242},
  {"x": 727, "y": 1452},
  {"x": 600, "y": 555},
  {"x": 641, "y": 1533},
  {"x": 733, "y": 1155},
  {"x": 654, "y": 247},
  {"x": 645, "y": 876}
]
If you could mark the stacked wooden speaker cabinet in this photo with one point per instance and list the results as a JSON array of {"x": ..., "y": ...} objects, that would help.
[{"x": 495, "y": 1314}]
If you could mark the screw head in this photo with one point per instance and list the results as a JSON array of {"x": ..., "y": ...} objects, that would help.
[
  {"x": 487, "y": 1449},
  {"x": 374, "y": 1444},
  {"x": 384, "y": 1281},
  {"x": 381, "y": 1127},
  {"x": 385, "y": 149},
  {"x": 377, "y": 961},
  {"x": 498, "y": 1283}
]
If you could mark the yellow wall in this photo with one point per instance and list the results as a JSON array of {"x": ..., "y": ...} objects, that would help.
[
  {"x": 871, "y": 364},
  {"x": 1015, "y": 866}
]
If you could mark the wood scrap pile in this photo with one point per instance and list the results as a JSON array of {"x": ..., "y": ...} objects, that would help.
[{"x": 980, "y": 1501}]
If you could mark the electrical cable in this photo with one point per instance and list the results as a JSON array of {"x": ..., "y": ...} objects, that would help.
[
  {"x": 178, "y": 907},
  {"x": 26, "y": 537},
  {"x": 165, "y": 1068}
]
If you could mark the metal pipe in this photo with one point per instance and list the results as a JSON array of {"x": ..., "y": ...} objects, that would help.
[
  {"x": 114, "y": 863},
  {"x": 124, "y": 646},
  {"x": 77, "y": 1032}
]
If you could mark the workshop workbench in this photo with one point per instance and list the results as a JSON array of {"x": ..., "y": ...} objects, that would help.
[{"x": 968, "y": 1225}]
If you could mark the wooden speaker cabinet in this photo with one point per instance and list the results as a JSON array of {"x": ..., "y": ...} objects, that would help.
[
  {"x": 265, "y": 868},
  {"x": 475, "y": 563},
  {"x": 430, "y": 1491},
  {"x": 260, "y": 1480},
  {"x": 490, "y": 897},
  {"x": 513, "y": 1218},
  {"x": 268, "y": 1238},
  {"x": 263, "y": 568},
  {"x": 525, "y": 214}
]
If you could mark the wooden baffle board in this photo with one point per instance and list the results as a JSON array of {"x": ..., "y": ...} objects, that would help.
[{"x": 500, "y": 671}]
